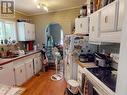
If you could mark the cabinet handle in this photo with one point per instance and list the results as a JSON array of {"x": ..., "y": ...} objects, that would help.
[
  {"x": 30, "y": 65},
  {"x": 21, "y": 71},
  {"x": 1, "y": 68},
  {"x": 81, "y": 25},
  {"x": 92, "y": 28},
  {"x": 106, "y": 19}
]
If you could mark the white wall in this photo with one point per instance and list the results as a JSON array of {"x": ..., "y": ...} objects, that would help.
[{"x": 64, "y": 18}]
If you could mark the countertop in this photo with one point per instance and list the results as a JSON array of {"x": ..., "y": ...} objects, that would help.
[
  {"x": 86, "y": 64},
  {"x": 8, "y": 60}
]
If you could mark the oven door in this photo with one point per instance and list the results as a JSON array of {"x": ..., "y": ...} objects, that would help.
[
  {"x": 89, "y": 89},
  {"x": 96, "y": 91}
]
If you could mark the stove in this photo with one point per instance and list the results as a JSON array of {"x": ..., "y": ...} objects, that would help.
[{"x": 105, "y": 76}]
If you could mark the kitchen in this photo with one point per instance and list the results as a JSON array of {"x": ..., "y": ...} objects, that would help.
[{"x": 98, "y": 26}]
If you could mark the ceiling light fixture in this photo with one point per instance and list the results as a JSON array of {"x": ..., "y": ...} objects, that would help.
[
  {"x": 45, "y": 7},
  {"x": 40, "y": 4},
  {"x": 35, "y": 1}
]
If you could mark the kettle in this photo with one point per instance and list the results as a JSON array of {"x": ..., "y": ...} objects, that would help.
[{"x": 86, "y": 58}]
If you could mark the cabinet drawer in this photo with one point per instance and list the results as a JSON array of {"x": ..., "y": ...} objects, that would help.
[{"x": 108, "y": 18}]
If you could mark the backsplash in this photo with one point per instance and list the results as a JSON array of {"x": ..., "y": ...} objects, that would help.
[
  {"x": 112, "y": 48},
  {"x": 12, "y": 47}
]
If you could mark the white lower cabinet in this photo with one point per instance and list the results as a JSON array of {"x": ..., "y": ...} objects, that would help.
[
  {"x": 20, "y": 74},
  {"x": 37, "y": 65},
  {"x": 29, "y": 69},
  {"x": 19, "y": 71},
  {"x": 40, "y": 62},
  {"x": 7, "y": 74}
]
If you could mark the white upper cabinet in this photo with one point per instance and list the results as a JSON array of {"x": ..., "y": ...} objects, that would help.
[
  {"x": 108, "y": 19},
  {"x": 81, "y": 25},
  {"x": 104, "y": 24},
  {"x": 121, "y": 14},
  {"x": 26, "y": 31},
  {"x": 94, "y": 27}
]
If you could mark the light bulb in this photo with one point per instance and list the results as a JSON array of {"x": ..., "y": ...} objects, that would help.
[
  {"x": 45, "y": 8},
  {"x": 35, "y": 1},
  {"x": 38, "y": 6}
]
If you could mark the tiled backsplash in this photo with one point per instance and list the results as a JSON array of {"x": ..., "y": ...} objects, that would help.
[
  {"x": 112, "y": 48},
  {"x": 11, "y": 47}
]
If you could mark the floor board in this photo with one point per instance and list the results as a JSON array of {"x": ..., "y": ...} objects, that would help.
[{"x": 43, "y": 85}]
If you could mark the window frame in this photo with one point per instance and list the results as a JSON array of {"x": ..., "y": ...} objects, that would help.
[{"x": 4, "y": 29}]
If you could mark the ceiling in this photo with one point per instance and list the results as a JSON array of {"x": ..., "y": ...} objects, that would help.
[{"x": 28, "y": 7}]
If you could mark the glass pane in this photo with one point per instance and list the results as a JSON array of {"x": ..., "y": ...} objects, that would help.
[
  {"x": 1, "y": 31},
  {"x": 10, "y": 32}
]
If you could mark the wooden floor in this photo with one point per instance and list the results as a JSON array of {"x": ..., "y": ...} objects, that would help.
[{"x": 43, "y": 85}]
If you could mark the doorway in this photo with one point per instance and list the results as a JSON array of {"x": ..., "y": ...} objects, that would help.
[{"x": 54, "y": 37}]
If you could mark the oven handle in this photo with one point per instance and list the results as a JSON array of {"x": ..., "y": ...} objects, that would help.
[{"x": 97, "y": 91}]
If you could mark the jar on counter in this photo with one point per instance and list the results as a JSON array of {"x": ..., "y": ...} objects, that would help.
[{"x": 83, "y": 11}]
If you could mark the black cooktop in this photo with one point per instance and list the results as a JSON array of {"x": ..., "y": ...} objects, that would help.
[{"x": 104, "y": 75}]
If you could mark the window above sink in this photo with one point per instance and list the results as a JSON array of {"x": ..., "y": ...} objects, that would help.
[{"x": 7, "y": 32}]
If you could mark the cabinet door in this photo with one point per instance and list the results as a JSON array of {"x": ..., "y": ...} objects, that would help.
[
  {"x": 77, "y": 25},
  {"x": 20, "y": 74},
  {"x": 27, "y": 31},
  {"x": 81, "y": 25},
  {"x": 32, "y": 32},
  {"x": 108, "y": 18},
  {"x": 7, "y": 74},
  {"x": 121, "y": 14},
  {"x": 79, "y": 77},
  {"x": 29, "y": 69},
  {"x": 94, "y": 27},
  {"x": 36, "y": 66},
  {"x": 84, "y": 25},
  {"x": 40, "y": 63},
  {"x": 21, "y": 31}
]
